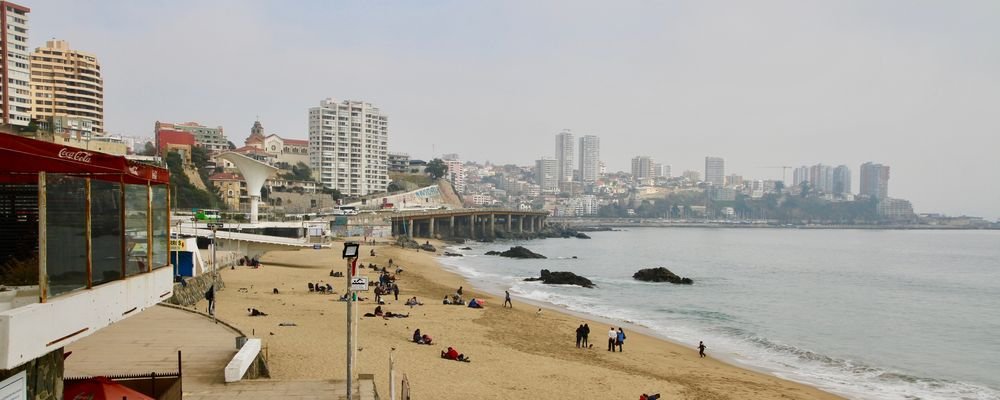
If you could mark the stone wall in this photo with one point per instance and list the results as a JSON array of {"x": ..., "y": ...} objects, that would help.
[
  {"x": 193, "y": 290},
  {"x": 44, "y": 376}
]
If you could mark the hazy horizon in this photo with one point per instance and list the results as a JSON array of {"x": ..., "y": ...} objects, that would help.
[{"x": 909, "y": 84}]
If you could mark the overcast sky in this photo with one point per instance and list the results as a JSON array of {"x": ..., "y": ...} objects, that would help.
[{"x": 912, "y": 84}]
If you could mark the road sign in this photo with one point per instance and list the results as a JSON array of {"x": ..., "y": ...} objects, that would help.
[
  {"x": 359, "y": 284},
  {"x": 216, "y": 225}
]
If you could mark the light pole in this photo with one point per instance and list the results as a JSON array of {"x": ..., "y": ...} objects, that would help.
[
  {"x": 350, "y": 254},
  {"x": 215, "y": 271}
]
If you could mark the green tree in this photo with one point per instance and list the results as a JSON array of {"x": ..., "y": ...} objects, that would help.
[
  {"x": 148, "y": 149},
  {"x": 436, "y": 168},
  {"x": 186, "y": 194}
]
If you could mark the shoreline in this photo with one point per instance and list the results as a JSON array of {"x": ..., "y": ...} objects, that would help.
[{"x": 516, "y": 353}]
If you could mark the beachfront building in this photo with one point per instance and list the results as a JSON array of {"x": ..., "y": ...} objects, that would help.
[
  {"x": 590, "y": 158},
  {"x": 564, "y": 156},
  {"x": 15, "y": 71},
  {"x": 349, "y": 146},
  {"x": 85, "y": 244},
  {"x": 715, "y": 171},
  {"x": 456, "y": 171},
  {"x": 67, "y": 82}
]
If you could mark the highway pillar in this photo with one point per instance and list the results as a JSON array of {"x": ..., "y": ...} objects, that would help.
[
  {"x": 431, "y": 232},
  {"x": 520, "y": 223},
  {"x": 493, "y": 228},
  {"x": 509, "y": 222},
  {"x": 451, "y": 226},
  {"x": 409, "y": 232}
]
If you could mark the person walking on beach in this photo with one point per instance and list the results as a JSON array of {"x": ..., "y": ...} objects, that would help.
[
  {"x": 586, "y": 332},
  {"x": 210, "y": 296},
  {"x": 620, "y": 339},
  {"x": 506, "y": 300},
  {"x": 701, "y": 349},
  {"x": 612, "y": 338},
  {"x": 579, "y": 336},
  {"x": 459, "y": 292},
  {"x": 395, "y": 291}
]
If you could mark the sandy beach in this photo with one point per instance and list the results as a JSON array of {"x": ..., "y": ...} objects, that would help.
[{"x": 516, "y": 353}]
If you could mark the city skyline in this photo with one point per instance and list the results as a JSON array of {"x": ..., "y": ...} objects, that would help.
[{"x": 759, "y": 85}]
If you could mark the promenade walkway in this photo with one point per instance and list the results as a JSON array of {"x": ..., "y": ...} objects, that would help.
[{"x": 148, "y": 342}]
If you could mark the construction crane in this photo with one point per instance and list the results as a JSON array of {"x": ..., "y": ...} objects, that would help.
[{"x": 784, "y": 172}]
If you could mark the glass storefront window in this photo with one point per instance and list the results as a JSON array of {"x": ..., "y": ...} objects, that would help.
[
  {"x": 66, "y": 233},
  {"x": 160, "y": 236},
  {"x": 105, "y": 231},
  {"x": 136, "y": 229}
]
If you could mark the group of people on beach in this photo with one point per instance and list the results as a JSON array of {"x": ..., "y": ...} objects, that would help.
[
  {"x": 582, "y": 334},
  {"x": 616, "y": 338}
]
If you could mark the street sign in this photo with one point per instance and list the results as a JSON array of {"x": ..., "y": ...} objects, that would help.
[
  {"x": 359, "y": 284},
  {"x": 217, "y": 225}
]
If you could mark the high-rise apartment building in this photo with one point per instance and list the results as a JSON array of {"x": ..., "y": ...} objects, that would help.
[
  {"x": 564, "y": 156},
  {"x": 455, "y": 172},
  {"x": 348, "y": 146},
  {"x": 547, "y": 175},
  {"x": 16, "y": 73},
  {"x": 67, "y": 83},
  {"x": 874, "y": 180},
  {"x": 590, "y": 158},
  {"x": 399, "y": 162},
  {"x": 715, "y": 171},
  {"x": 642, "y": 170},
  {"x": 799, "y": 175},
  {"x": 821, "y": 178},
  {"x": 841, "y": 180}
]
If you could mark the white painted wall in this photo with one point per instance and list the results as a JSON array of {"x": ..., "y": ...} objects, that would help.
[{"x": 34, "y": 330}]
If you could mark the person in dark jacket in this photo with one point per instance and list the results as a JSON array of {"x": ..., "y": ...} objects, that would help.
[
  {"x": 210, "y": 296},
  {"x": 579, "y": 335},
  {"x": 586, "y": 333}
]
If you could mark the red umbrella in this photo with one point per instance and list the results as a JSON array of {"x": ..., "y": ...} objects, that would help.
[{"x": 100, "y": 388}]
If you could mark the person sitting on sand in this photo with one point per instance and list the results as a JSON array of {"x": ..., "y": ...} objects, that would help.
[
  {"x": 378, "y": 311},
  {"x": 256, "y": 313},
  {"x": 413, "y": 302},
  {"x": 446, "y": 302},
  {"x": 417, "y": 335},
  {"x": 312, "y": 288}
]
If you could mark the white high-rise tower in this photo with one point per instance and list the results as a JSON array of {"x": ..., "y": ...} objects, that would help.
[
  {"x": 349, "y": 146},
  {"x": 564, "y": 156},
  {"x": 590, "y": 158}
]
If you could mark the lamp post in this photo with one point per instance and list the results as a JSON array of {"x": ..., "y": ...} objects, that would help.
[{"x": 350, "y": 254}]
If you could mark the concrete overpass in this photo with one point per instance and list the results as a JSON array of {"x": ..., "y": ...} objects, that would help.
[{"x": 471, "y": 223}]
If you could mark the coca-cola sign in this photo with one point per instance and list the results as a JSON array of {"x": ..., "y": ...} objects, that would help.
[{"x": 76, "y": 155}]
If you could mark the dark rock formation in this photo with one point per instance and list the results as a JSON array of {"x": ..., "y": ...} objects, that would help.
[
  {"x": 493, "y": 253},
  {"x": 466, "y": 248},
  {"x": 581, "y": 235},
  {"x": 450, "y": 254},
  {"x": 660, "y": 274},
  {"x": 428, "y": 247},
  {"x": 520, "y": 252},
  {"x": 562, "y": 278},
  {"x": 407, "y": 243}
]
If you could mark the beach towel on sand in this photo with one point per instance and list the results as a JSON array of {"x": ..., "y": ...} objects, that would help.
[{"x": 475, "y": 304}]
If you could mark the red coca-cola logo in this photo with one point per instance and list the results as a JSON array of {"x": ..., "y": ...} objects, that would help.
[{"x": 78, "y": 155}]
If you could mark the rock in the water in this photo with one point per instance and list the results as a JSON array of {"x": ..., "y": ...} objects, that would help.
[
  {"x": 493, "y": 253},
  {"x": 562, "y": 278},
  {"x": 466, "y": 248},
  {"x": 428, "y": 247},
  {"x": 520, "y": 252},
  {"x": 450, "y": 254},
  {"x": 581, "y": 235},
  {"x": 660, "y": 274}
]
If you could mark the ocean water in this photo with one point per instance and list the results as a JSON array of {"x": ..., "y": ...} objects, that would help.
[{"x": 866, "y": 314}]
